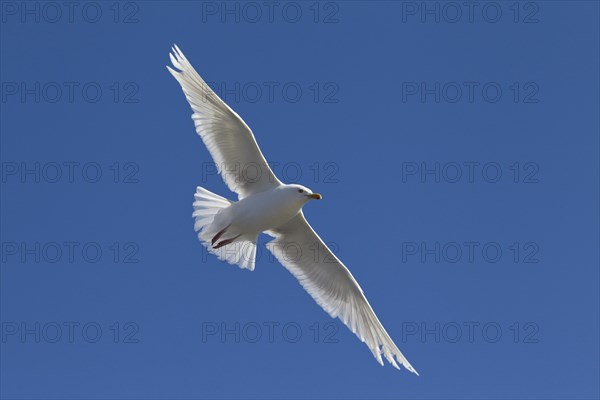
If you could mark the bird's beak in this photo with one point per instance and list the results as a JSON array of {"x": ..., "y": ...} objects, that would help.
[{"x": 315, "y": 196}]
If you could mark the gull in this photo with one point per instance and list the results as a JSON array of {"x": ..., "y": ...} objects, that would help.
[{"x": 230, "y": 229}]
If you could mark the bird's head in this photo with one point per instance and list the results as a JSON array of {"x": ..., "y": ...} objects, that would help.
[{"x": 303, "y": 193}]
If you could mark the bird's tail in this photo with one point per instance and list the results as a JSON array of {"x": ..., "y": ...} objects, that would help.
[
  {"x": 206, "y": 207},
  {"x": 213, "y": 230}
]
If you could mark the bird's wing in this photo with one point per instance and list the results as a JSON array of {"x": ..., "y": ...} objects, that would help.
[
  {"x": 330, "y": 283},
  {"x": 227, "y": 137}
]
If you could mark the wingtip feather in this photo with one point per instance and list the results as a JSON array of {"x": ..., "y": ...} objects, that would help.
[{"x": 172, "y": 71}]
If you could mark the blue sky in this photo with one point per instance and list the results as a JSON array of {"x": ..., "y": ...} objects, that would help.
[{"x": 456, "y": 147}]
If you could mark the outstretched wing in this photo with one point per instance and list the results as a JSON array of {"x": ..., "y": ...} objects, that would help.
[
  {"x": 227, "y": 137},
  {"x": 332, "y": 286}
]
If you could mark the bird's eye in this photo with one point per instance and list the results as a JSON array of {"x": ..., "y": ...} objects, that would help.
[{"x": 300, "y": 191}]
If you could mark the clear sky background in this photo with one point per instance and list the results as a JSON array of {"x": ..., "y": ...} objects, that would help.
[{"x": 456, "y": 148}]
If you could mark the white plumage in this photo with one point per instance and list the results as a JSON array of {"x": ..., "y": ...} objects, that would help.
[
  {"x": 227, "y": 137},
  {"x": 230, "y": 229}
]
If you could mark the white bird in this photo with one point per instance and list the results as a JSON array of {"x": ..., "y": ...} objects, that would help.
[{"x": 230, "y": 229}]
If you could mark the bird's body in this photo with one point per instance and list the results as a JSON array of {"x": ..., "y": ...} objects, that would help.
[
  {"x": 266, "y": 210},
  {"x": 230, "y": 229}
]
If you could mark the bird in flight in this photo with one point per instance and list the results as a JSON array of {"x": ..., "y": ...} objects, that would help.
[{"x": 230, "y": 229}]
